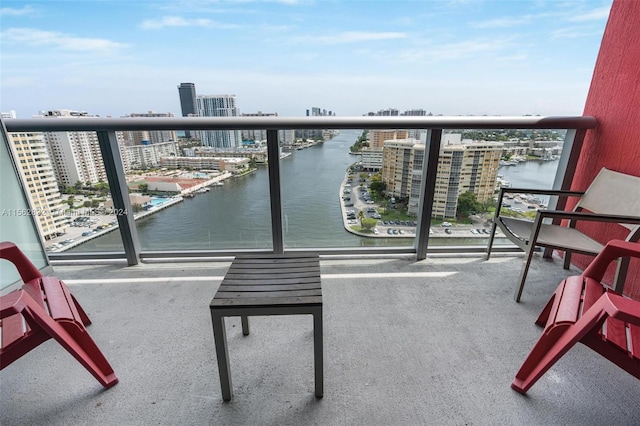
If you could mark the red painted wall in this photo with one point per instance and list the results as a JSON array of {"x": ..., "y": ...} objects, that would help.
[{"x": 614, "y": 100}]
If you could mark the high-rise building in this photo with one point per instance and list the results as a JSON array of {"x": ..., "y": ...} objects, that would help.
[
  {"x": 384, "y": 112},
  {"x": 35, "y": 168},
  {"x": 9, "y": 114},
  {"x": 464, "y": 166},
  {"x": 76, "y": 156},
  {"x": 188, "y": 105},
  {"x": 256, "y": 134},
  {"x": 132, "y": 138},
  {"x": 219, "y": 106}
]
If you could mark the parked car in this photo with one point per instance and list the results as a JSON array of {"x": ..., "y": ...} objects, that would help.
[{"x": 448, "y": 231}]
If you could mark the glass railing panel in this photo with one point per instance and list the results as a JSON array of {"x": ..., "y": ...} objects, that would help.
[
  {"x": 214, "y": 211},
  {"x": 327, "y": 200},
  {"x": 529, "y": 159},
  {"x": 91, "y": 223}
]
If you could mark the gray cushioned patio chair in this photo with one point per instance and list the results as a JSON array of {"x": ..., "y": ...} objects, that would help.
[{"x": 612, "y": 197}]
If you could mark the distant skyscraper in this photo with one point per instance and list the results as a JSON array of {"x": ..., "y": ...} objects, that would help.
[
  {"x": 257, "y": 134},
  {"x": 187, "y": 92},
  {"x": 136, "y": 137},
  {"x": 219, "y": 106}
]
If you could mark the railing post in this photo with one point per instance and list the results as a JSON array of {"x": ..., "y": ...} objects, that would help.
[
  {"x": 428, "y": 189},
  {"x": 120, "y": 195},
  {"x": 273, "y": 158},
  {"x": 567, "y": 165}
]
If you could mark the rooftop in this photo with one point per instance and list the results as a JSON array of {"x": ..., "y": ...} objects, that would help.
[{"x": 436, "y": 341}]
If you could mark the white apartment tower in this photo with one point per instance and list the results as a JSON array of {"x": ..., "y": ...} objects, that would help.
[
  {"x": 219, "y": 106},
  {"x": 36, "y": 171},
  {"x": 76, "y": 156}
]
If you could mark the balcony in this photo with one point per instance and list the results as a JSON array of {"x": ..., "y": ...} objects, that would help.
[
  {"x": 411, "y": 336},
  {"x": 406, "y": 342}
]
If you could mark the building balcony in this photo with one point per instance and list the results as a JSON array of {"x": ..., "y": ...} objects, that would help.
[{"x": 406, "y": 342}]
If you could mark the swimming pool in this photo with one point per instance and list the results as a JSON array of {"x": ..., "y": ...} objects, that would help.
[{"x": 158, "y": 201}]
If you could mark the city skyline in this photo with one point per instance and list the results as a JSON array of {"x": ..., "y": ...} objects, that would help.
[{"x": 453, "y": 57}]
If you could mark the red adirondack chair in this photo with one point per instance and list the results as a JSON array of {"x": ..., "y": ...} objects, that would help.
[
  {"x": 584, "y": 310},
  {"x": 42, "y": 309}
]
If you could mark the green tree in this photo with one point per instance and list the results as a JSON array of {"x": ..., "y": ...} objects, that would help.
[
  {"x": 368, "y": 224},
  {"x": 377, "y": 186},
  {"x": 467, "y": 204},
  {"x": 361, "y": 216},
  {"x": 143, "y": 187},
  {"x": 136, "y": 208},
  {"x": 102, "y": 187},
  {"x": 77, "y": 185},
  {"x": 70, "y": 202}
]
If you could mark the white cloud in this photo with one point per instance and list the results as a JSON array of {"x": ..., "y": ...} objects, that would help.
[
  {"x": 594, "y": 15},
  {"x": 459, "y": 50},
  {"x": 352, "y": 37},
  {"x": 10, "y": 11},
  {"x": 36, "y": 37},
  {"x": 178, "y": 21},
  {"x": 574, "y": 32},
  {"x": 504, "y": 22}
]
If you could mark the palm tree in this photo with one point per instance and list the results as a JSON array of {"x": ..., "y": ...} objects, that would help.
[{"x": 360, "y": 216}]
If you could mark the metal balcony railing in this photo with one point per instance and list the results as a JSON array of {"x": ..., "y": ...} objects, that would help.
[{"x": 106, "y": 129}]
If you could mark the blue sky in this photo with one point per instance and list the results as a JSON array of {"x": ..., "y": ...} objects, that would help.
[{"x": 447, "y": 57}]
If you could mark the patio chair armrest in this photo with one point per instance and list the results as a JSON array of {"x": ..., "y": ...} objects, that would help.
[
  {"x": 559, "y": 192},
  {"x": 590, "y": 217},
  {"x": 613, "y": 250}
]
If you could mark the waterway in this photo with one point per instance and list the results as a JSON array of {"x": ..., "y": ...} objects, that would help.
[
  {"x": 237, "y": 214},
  {"x": 530, "y": 174}
]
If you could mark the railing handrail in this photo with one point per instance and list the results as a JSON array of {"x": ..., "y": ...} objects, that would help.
[{"x": 69, "y": 124}]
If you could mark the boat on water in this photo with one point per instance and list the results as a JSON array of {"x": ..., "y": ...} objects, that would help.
[{"x": 202, "y": 190}]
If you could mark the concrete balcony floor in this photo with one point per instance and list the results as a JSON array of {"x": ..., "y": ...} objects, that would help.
[{"x": 406, "y": 343}]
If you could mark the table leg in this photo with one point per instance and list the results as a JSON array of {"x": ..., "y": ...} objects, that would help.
[
  {"x": 245, "y": 325},
  {"x": 318, "y": 360},
  {"x": 222, "y": 353}
]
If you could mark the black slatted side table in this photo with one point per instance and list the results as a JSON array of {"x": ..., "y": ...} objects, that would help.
[{"x": 268, "y": 285}]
